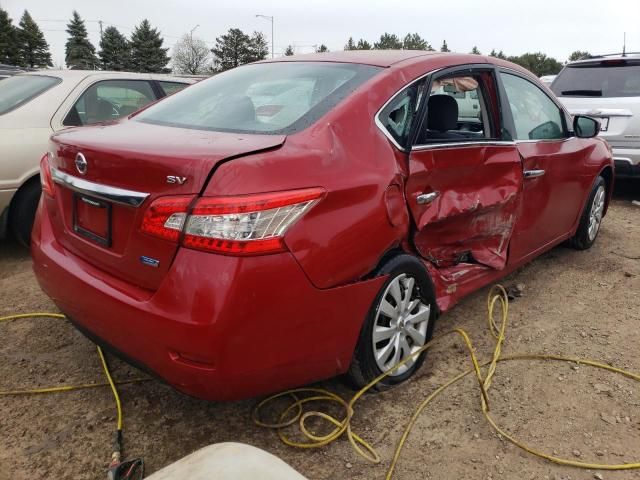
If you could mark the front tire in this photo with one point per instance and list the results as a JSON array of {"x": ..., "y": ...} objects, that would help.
[
  {"x": 591, "y": 218},
  {"x": 23, "y": 212},
  {"x": 399, "y": 323}
]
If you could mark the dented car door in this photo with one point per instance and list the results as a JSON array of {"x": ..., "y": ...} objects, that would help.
[{"x": 464, "y": 186}]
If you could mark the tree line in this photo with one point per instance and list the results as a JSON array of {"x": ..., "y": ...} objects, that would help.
[{"x": 24, "y": 45}]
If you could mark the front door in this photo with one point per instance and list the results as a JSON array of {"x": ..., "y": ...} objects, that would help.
[
  {"x": 551, "y": 159},
  {"x": 465, "y": 180}
]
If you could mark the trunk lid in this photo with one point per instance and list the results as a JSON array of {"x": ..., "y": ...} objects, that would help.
[{"x": 129, "y": 163}]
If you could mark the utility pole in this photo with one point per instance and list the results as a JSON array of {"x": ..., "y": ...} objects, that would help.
[
  {"x": 191, "y": 33},
  {"x": 268, "y": 17},
  {"x": 100, "y": 22}
]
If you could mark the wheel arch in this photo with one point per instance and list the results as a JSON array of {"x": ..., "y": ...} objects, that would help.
[{"x": 608, "y": 175}]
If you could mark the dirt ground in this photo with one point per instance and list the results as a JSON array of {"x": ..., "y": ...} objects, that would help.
[{"x": 585, "y": 304}]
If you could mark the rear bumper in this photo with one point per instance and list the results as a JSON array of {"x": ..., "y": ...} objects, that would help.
[
  {"x": 218, "y": 327},
  {"x": 627, "y": 161}
]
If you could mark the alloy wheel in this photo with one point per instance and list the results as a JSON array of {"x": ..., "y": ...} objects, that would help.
[
  {"x": 400, "y": 326},
  {"x": 595, "y": 215}
]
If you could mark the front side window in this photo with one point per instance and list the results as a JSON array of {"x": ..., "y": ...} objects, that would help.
[
  {"x": 109, "y": 100},
  {"x": 274, "y": 98},
  {"x": 19, "y": 90},
  {"x": 456, "y": 110},
  {"x": 535, "y": 115}
]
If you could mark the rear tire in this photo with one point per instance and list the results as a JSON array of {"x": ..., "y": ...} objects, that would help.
[
  {"x": 23, "y": 211},
  {"x": 591, "y": 218},
  {"x": 402, "y": 318}
]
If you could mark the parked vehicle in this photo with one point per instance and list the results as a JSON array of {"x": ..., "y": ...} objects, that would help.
[
  {"x": 547, "y": 80},
  {"x": 33, "y": 105},
  {"x": 236, "y": 254},
  {"x": 607, "y": 88}
]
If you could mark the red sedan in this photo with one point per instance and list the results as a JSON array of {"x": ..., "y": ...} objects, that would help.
[{"x": 306, "y": 217}]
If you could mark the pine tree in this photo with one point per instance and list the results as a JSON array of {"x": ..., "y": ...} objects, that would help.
[
  {"x": 322, "y": 49},
  {"x": 233, "y": 49},
  {"x": 80, "y": 54},
  {"x": 288, "y": 51},
  {"x": 413, "y": 41},
  {"x": 115, "y": 51},
  {"x": 444, "y": 47},
  {"x": 388, "y": 41},
  {"x": 259, "y": 47},
  {"x": 34, "y": 49},
  {"x": 147, "y": 54},
  {"x": 475, "y": 51},
  {"x": 350, "y": 45},
  {"x": 499, "y": 54},
  {"x": 9, "y": 45},
  {"x": 363, "y": 45}
]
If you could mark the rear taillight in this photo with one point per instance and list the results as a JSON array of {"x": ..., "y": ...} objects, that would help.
[
  {"x": 235, "y": 225},
  {"x": 165, "y": 217},
  {"x": 45, "y": 176}
]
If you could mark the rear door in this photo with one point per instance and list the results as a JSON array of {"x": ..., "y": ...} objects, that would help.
[
  {"x": 551, "y": 158},
  {"x": 465, "y": 177}
]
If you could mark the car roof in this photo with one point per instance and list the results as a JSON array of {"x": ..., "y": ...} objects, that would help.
[
  {"x": 635, "y": 56},
  {"x": 378, "y": 58},
  {"x": 80, "y": 74}
]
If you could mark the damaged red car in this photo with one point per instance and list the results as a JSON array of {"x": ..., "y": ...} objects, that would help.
[{"x": 310, "y": 216}]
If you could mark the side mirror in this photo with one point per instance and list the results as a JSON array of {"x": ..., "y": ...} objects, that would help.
[{"x": 585, "y": 127}]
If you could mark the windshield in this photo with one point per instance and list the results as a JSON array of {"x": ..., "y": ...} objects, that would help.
[
  {"x": 598, "y": 81},
  {"x": 18, "y": 90},
  {"x": 275, "y": 98}
]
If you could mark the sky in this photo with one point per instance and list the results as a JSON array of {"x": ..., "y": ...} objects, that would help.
[{"x": 555, "y": 27}]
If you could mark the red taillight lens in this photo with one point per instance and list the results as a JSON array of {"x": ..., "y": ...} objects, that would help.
[
  {"x": 234, "y": 225},
  {"x": 45, "y": 176},
  {"x": 165, "y": 217}
]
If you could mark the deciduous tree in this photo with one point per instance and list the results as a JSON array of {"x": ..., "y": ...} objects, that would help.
[
  {"x": 190, "y": 55},
  {"x": 579, "y": 55},
  {"x": 538, "y": 63},
  {"x": 34, "y": 49},
  {"x": 147, "y": 53}
]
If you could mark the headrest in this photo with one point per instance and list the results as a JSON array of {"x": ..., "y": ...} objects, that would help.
[{"x": 442, "y": 113}]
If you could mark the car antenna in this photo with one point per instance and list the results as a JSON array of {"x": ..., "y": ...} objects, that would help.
[{"x": 624, "y": 44}]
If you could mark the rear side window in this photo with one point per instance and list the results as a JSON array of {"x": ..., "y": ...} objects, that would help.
[
  {"x": 276, "y": 98},
  {"x": 398, "y": 116},
  {"x": 19, "y": 90},
  {"x": 609, "y": 79},
  {"x": 109, "y": 100},
  {"x": 535, "y": 115},
  {"x": 172, "y": 87}
]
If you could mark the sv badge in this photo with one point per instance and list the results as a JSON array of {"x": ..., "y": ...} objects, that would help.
[{"x": 173, "y": 179}]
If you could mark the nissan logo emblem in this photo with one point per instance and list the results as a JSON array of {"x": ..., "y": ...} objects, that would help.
[{"x": 81, "y": 164}]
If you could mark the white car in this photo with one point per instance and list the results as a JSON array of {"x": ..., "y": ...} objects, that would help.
[
  {"x": 36, "y": 104},
  {"x": 608, "y": 89},
  {"x": 547, "y": 80}
]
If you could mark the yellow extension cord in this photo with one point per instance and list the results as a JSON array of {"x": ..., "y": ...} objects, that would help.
[
  {"x": 496, "y": 295},
  {"x": 361, "y": 446},
  {"x": 67, "y": 388}
]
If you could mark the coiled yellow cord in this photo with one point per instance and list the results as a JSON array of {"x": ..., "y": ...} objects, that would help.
[{"x": 497, "y": 296}]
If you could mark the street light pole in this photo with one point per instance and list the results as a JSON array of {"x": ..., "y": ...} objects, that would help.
[
  {"x": 191, "y": 33},
  {"x": 269, "y": 17}
]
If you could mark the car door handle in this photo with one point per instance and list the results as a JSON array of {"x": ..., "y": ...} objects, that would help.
[
  {"x": 426, "y": 198},
  {"x": 533, "y": 173}
]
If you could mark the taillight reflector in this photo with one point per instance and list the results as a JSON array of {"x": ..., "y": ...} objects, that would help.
[{"x": 46, "y": 181}]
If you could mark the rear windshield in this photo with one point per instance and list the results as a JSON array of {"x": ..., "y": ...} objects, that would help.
[
  {"x": 18, "y": 90},
  {"x": 613, "y": 80},
  {"x": 275, "y": 98}
]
